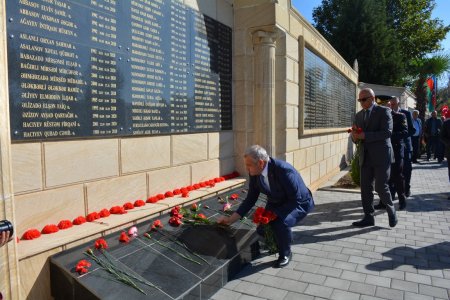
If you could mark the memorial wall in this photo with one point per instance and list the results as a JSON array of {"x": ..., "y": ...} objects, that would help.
[{"x": 116, "y": 68}]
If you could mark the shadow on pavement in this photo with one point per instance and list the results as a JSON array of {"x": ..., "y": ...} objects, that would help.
[{"x": 433, "y": 257}]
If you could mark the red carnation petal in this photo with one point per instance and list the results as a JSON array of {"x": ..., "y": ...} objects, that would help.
[
  {"x": 49, "y": 229},
  {"x": 139, "y": 203},
  {"x": 64, "y": 224},
  {"x": 31, "y": 234},
  {"x": 79, "y": 220}
]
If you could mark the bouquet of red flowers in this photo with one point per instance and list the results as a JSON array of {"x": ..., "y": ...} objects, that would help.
[
  {"x": 262, "y": 217},
  {"x": 355, "y": 170}
]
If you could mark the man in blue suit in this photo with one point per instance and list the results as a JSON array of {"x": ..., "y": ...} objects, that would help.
[
  {"x": 288, "y": 197},
  {"x": 376, "y": 156}
]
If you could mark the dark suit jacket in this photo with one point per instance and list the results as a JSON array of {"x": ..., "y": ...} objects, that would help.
[
  {"x": 400, "y": 132},
  {"x": 411, "y": 129},
  {"x": 376, "y": 148},
  {"x": 445, "y": 137},
  {"x": 288, "y": 195},
  {"x": 428, "y": 125}
]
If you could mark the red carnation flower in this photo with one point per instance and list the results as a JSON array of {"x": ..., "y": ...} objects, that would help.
[
  {"x": 31, "y": 234},
  {"x": 64, "y": 224},
  {"x": 168, "y": 194},
  {"x": 184, "y": 190},
  {"x": 82, "y": 266},
  {"x": 152, "y": 199},
  {"x": 197, "y": 186},
  {"x": 104, "y": 213},
  {"x": 92, "y": 217},
  {"x": 194, "y": 206},
  {"x": 202, "y": 184},
  {"x": 128, "y": 205},
  {"x": 160, "y": 196},
  {"x": 158, "y": 224},
  {"x": 139, "y": 203},
  {"x": 101, "y": 244},
  {"x": 49, "y": 229},
  {"x": 79, "y": 220},
  {"x": 217, "y": 179},
  {"x": 190, "y": 188},
  {"x": 234, "y": 196},
  {"x": 124, "y": 238},
  {"x": 176, "y": 191},
  {"x": 174, "y": 221},
  {"x": 185, "y": 194},
  {"x": 200, "y": 216},
  {"x": 117, "y": 210}
]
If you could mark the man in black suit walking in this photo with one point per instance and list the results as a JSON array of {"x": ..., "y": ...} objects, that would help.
[
  {"x": 407, "y": 157},
  {"x": 376, "y": 156}
]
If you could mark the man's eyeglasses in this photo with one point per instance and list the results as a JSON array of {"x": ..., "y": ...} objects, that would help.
[{"x": 364, "y": 99}]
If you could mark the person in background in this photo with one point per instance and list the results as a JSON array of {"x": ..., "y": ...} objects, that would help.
[
  {"x": 287, "y": 196},
  {"x": 445, "y": 138},
  {"x": 432, "y": 128},
  {"x": 376, "y": 156},
  {"x": 415, "y": 139},
  {"x": 408, "y": 149},
  {"x": 397, "y": 178}
]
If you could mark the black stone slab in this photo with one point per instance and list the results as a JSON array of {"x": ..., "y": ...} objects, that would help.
[{"x": 224, "y": 250}]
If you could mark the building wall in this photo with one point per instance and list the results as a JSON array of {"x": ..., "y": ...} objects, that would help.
[
  {"x": 317, "y": 154},
  {"x": 51, "y": 181}
]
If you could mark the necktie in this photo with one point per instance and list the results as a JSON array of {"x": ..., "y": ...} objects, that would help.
[
  {"x": 264, "y": 182},
  {"x": 366, "y": 117}
]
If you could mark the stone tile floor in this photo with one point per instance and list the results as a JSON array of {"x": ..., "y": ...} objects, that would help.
[{"x": 333, "y": 260}]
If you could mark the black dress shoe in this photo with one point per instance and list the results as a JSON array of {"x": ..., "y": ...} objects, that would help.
[
  {"x": 393, "y": 220},
  {"x": 402, "y": 206},
  {"x": 408, "y": 194},
  {"x": 380, "y": 206},
  {"x": 282, "y": 261},
  {"x": 365, "y": 222}
]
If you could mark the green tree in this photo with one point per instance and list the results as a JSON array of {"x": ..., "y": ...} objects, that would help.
[
  {"x": 387, "y": 37},
  {"x": 358, "y": 30},
  {"x": 414, "y": 27},
  {"x": 424, "y": 68}
]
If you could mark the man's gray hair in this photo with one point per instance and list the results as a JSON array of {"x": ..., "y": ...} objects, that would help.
[{"x": 257, "y": 152}]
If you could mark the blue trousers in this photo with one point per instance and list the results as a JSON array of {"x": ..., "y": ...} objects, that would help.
[{"x": 282, "y": 226}]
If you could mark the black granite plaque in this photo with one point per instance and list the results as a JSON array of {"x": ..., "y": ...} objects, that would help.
[
  {"x": 220, "y": 252},
  {"x": 116, "y": 68}
]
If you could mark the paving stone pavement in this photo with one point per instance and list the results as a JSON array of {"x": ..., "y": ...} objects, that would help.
[{"x": 333, "y": 260}]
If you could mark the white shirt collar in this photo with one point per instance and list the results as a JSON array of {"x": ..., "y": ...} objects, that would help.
[{"x": 265, "y": 170}]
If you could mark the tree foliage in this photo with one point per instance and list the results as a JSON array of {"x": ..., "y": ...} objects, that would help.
[{"x": 385, "y": 36}]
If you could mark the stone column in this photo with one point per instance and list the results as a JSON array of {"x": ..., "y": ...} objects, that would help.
[
  {"x": 9, "y": 274},
  {"x": 264, "y": 43}
]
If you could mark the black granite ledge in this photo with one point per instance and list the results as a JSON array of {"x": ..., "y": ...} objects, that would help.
[{"x": 223, "y": 251}]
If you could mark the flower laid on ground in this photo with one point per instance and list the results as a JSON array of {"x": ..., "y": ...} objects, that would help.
[
  {"x": 139, "y": 203},
  {"x": 133, "y": 231},
  {"x": 226, "y": 207},
  {"x": 106, "y": 262},
  {"x": 128, "y": 205},
  {"x": 79, "y": 220},
  {"x": 123, "y": 238},
  {"x": 48, "y": 229},
  {"x": 156, "y": 224},
  {"x": 195, "y": 207},
  {"x": 263, "y": 217},
  {"x": 65, "y": 224},
  {"x": 187, "y": 257},
  {"x": 234, "y": 196},
  {"x": 117, "y": 210},
  {"x": 31, "y": 234},
  {"x": 92, "y": 216},
  {"x": 82, "y": 266},
  {"x": 104, "y": 213}
]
